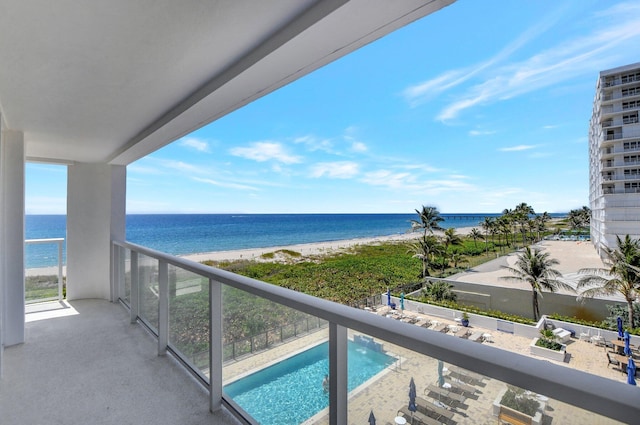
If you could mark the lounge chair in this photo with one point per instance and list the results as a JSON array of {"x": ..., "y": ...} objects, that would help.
[
  {"x": 428, "y": 408},
  {"x": 417, "y": 418},
  {"x": 462, "y": 332},
  {"x": 466, "y": 375},
  {"x": 464, "y": 388},
  {"x": 476, "y": 337},
  {"x": 443, "y": 392},
  {"x": 441, "y": 327}
]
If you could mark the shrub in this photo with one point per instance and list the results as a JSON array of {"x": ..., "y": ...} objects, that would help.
[{"x": 517, "y": 400}]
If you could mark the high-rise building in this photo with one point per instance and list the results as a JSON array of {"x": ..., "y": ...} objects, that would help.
[{"x": 614, "y": 157}]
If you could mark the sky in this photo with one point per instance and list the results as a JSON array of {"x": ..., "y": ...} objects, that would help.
[{"x": 475, "y": 108}]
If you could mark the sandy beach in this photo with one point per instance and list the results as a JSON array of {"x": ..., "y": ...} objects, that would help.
[{"x": 309, "y": 249}]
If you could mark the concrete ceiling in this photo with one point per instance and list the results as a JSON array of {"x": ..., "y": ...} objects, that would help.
[{"x": 113, "y": 81}]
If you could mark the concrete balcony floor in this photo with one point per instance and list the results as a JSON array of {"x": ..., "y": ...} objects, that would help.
[{"x": 84, "y": 363}]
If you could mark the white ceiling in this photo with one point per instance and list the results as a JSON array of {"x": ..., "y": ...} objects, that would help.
[{"x": 112, "y": 81}]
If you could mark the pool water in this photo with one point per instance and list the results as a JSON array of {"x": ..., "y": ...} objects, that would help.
[{"x": 290, "y": 392}]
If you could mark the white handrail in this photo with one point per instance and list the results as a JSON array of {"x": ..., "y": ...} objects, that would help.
[{"x": 590, "y": 392}]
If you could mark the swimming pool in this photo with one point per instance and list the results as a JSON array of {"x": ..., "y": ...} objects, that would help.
[{"x": 290, "y": 392}]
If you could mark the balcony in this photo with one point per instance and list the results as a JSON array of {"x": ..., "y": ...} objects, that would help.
[
  {"x": 93, "y": 359},
  {"x": 83, "y": 362}
]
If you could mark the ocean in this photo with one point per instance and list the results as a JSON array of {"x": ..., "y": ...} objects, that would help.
[{"x": 181, "y": 234}]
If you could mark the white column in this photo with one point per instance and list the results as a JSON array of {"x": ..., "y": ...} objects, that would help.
[
  {"x": 96, "y": 197},
  {"x": 12, "y": 169}
]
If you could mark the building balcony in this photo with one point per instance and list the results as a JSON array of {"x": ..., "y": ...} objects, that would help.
[
  {"x": 610, "y": 97},
  {"x": 620, "y": 81},
  {"x": 619, "y": 121},
  {"x": 618, "y": 163},
  {"x": 613, "y": 150},
  {"x": 101, "y": 362}
]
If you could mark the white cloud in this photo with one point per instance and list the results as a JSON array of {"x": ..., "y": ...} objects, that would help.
[
  {"x": 497, "y": 80},
  {"x": 336, "y": 170},
  {"x": 475, "y": 133},
  {"x": 266, "y": 151},
  {"x": 195, "y": 144},
  {"x": 517, "y": 148},
  {"x": 313, "y": 143},
  {"x": 388, "y": 179},
  {"x": 225, "y": 184},
  {"x": 359, "y": 147},
  {"x": 550, "y": 127},
  {"x": 420, "y": 167}
]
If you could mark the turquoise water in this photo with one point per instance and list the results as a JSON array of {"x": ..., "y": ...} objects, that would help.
[{"x": 290, "y": 391}]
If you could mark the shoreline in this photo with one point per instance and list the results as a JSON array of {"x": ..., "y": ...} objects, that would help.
[{"x": 306, "y": 250}]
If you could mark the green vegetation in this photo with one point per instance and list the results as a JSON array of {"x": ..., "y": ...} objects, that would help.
[
  {"x": 622, "y": 277},
  {"x": 42, "y": 287},
  {"x": 362, "y": 271},
  {"x": 516, "y": 399},
  {"x": 547, "y": 340},
  {"x": 439, "y": 291},
  {"x": 285, "y": 252}
]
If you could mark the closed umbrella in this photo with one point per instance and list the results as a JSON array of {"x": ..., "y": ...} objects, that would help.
[
  {"x": 627, "y": 349},
  {"x": 388, "y": 297},
  {"x": 631, "y": 371},
  {"x": 372, "y": 419},
  {"x": 440, "y": 373},
  {"x": 402, "y": 301},
  {"x": 620, "y": 334},
  {"x": 412, "y": 397}
]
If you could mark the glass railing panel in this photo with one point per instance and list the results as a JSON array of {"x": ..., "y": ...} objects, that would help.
[
  {"x": 276, "y": 359},
  {"x": 126, "y": 296},
  {"x": 189, "y": 317},
  {"x": 40, "y": 284},
  {"x": 148, "y": 291},
  {"x": 44, "y": 276}
]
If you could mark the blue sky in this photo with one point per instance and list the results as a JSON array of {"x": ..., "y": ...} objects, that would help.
[{"x": 476, "y": 108}]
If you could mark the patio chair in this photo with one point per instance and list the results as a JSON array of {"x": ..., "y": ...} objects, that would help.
[{"x": 612, "y": 361}]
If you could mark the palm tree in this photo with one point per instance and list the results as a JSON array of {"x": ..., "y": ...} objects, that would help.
[
  {"x": 439, "y": 291},
  {"x": 429, "y": 220},
  {"x": 487, "y": 225},
  {"x": 505, "y": 221},
  {"x": 475, "y": 235},
  {"x": 451, "y": 238},
  {"x": 579, "y": 219},
  {"x": 522, "y": 213},
  {"x": 622, "y": 277},
  {"x": 425, "y": 249},
  {"x": 536, "y": 268},
  {"x": 457, "y": 257}
]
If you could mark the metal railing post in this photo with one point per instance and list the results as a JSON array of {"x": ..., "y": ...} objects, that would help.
[
  {"x": 135, "y": 293},
  {"x": 215, "y": 345},
  {"x": 163, "y": 307},
  {"x": 337, "y": 374}
]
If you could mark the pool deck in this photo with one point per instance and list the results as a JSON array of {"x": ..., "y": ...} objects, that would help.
[{"x": 387, "y": 393}]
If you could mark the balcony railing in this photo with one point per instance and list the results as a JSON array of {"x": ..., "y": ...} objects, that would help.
[
  {"x": 42, "y": 291},
  {"x": 193, "y": 309}
]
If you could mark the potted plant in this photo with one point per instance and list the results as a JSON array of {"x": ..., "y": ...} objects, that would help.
[
  {"x": 546, "y": 346},
  {"x": 465, "y": 319},
  {"x": 527, "y": 406}
]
